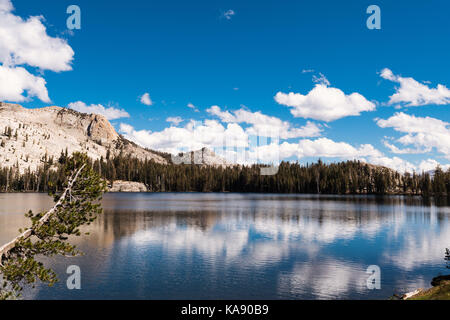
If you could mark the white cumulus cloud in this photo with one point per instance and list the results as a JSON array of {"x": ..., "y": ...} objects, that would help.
[
  {"x": 145, "y": 99},
  {"x": 6, "y": 6},
  {"x": 413, "y": 93},
  {"x": 431, "y": 164},
  {"x": 322, "y": 147},
  {"x": 110, "y": 113},
  {"x": 25, "y": 42},
  {"x": 325, "y": 103},
  {"x": 327, "y": 148},
  {"x": 16, "y": 81},
  {"x": 423, "y": 133},
  {"x": 234, "y": 143},
  {"x": 264, "y": 125},
  {"x": 193, "y": 136},
  {"x": 394, "y": 149}
]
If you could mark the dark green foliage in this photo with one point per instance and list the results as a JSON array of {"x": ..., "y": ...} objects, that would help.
[
  {"x": 49, "y": 233},
  {"x": 351, "y": 177}
]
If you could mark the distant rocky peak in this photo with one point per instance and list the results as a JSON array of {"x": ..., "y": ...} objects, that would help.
[{"x": 203, "y": 156}]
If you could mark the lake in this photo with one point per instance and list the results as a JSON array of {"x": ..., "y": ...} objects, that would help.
[{"x": 246, "y": 246}]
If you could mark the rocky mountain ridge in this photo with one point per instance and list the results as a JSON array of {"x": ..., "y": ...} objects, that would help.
[{"x": 29, "y": 135}]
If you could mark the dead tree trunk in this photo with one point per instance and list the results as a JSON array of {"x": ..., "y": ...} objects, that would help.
[{"x": 5, "y": 249}]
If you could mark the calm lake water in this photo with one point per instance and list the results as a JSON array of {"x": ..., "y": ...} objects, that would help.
[{"x": 246, "y": 246}]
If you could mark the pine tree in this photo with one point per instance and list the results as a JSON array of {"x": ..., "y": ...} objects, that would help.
[{"x": 48, "y": 235}]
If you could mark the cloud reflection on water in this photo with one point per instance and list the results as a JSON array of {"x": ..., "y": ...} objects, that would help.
[{"x": 273, "y": 246}]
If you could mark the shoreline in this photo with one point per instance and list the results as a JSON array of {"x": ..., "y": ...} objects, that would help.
[
  {"x": 242, "y": 192},
  {"x": 440, "y": 290}
]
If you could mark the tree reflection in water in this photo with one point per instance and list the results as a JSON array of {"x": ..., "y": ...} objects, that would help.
[{"x": 447, "y": 257}]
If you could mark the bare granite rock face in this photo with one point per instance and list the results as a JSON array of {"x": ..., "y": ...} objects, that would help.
[
  {"x": 28, "y": 135},
  {"x": 127, "y": 186}
]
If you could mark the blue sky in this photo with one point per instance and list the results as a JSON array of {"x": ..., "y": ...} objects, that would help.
[{"x": 238, "y": 55}]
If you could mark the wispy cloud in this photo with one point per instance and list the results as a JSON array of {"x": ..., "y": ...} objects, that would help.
[
  {"x": 321, "y": 79},
  {"x": 193, "y": 107},
  {"x": 229, "y": 14},
  {"x": 175, "y": 120}
]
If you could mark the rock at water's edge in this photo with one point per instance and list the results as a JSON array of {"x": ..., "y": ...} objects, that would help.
[{"x": 127, "y": 186}]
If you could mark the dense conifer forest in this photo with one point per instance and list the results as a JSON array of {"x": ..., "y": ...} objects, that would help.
[{"x": 351, "y": 177}]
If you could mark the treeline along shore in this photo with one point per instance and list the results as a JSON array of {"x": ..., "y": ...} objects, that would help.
[{"x": 350, "y": 177}]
